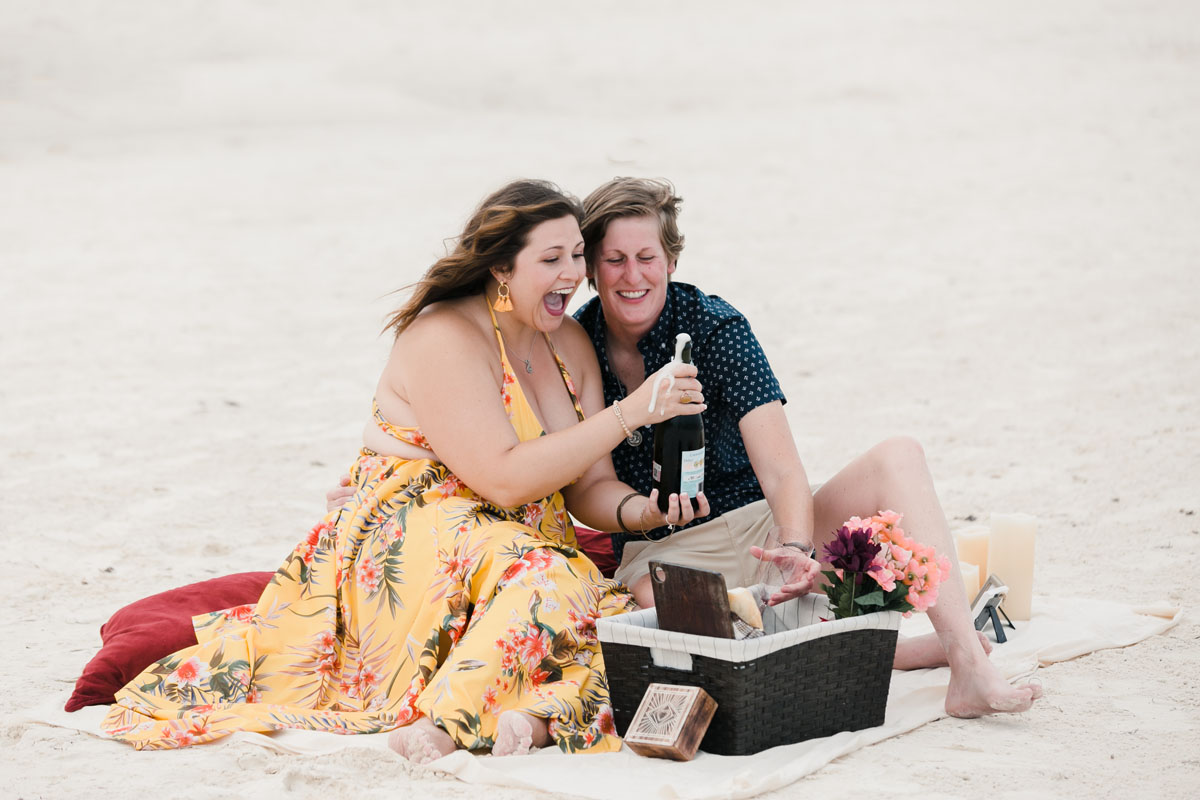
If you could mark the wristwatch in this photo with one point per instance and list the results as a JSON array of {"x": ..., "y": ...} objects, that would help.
[{"x": 808, "y": 549}]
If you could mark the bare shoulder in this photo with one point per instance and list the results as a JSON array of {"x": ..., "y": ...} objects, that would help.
[
  {"x": 452, "y": 329},
  {"x": 444, "y": 325}
]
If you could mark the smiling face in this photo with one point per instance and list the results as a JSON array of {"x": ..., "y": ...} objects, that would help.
[
  {"x": 545, "y": 273},
  {"x": 631, "y": 271}
]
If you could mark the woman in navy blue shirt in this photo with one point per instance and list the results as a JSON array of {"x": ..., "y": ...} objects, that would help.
[{"x": 754, "y": 479}]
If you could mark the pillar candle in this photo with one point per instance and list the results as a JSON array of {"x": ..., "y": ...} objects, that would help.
[
  {"x": 972, "y": 546},
  {"x": 970, "y": 573},
  {"x": 1010, "y": 559}
]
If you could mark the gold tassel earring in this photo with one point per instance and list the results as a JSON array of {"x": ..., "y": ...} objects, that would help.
[{"x": 503, "y": 302}]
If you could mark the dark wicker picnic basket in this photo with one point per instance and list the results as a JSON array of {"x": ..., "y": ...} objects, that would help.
[{"x": 805, "y": 679}]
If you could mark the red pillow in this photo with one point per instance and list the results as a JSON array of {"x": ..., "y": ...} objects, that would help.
[
  {"x": 149, "y": 629},
  {"x": 598, "y": 547}
]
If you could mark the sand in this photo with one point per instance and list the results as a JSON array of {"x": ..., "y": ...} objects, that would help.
[{"x": 975, "y": 226}]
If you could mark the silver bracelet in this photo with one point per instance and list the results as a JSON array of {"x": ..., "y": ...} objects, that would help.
[
  {"x": 632, "y": 438},
  {"x": 620, "y": 522}
]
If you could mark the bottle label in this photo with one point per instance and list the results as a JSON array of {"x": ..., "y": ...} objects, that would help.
[
  {"x": 656, "y": 471},
  {"x": 691, "y": 472}
]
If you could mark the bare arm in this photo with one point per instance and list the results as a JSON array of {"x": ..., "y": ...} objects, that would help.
[
  {"x": 444, "y": 365},
  {"x": 772, "y": 450}
]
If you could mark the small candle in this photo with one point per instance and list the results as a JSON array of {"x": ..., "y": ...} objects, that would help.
[
  {"x": 1010, "y": 559},
  {"x": 972, "y": 546},
  {"x": 970, "y": 573}
]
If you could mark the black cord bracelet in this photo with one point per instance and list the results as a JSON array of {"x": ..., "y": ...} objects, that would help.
[
  {"x": 809, "y": 550},
  {"x": 620, "y": 505}
]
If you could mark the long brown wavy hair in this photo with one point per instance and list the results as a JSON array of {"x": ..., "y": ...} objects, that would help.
[{"x": 495, "y": 233}]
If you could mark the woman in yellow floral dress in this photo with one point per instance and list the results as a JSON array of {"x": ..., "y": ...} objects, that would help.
[{"x": 447, "y": 599}]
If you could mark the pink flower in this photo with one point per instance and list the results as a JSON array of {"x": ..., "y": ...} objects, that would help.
[
  {"x": 917, "y": 569},
  {"x": 921, "y": 598},
  {"x": 882, "y": 575},
  {"x": 535, "y": 560},
  {"x": 456, "y": 627},
  {"x": 604, "y": 720},
  {"x": 457, "y": 565},
  {"x": 856, "y": 523},
  {"x": 392, "y": 532},
  {"x": 533, "y": 514},
  {"x": 585, "y": 621},
  {"x": 368, "y": 575},
  {"x": 450, "y": 487},
  {"x": 240, "y": 613},
  {"x": 491, "y": 700},
  {"x": 889, "y": 518},
  {"x": 307, "y": 548},
  {"x": 408, "y": 710},
  {"x": 365, "y": 680},
  {"x": 182, "y": 737},
  {"x": 327, "y": 664},
  {"x": 534, "y": 647},
  {"x": 899, "y": 554},
  {"x": 192, "y": 672},
  {"x": 900, "y": 562}
]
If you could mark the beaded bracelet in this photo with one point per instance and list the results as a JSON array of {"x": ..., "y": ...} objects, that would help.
[{"x": 632, "y": 438}]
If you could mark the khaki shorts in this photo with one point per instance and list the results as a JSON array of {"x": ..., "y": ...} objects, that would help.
[{"x": 720, "y": 545}]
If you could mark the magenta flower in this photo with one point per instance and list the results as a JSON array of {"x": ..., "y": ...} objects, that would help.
[{"x": 852, "y": 551}]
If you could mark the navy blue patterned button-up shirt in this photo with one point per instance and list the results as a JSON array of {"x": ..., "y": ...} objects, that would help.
[{"x": 736, "y": 378}]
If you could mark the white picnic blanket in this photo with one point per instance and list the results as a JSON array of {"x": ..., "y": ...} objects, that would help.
[{"x": 1061, "y": 629}]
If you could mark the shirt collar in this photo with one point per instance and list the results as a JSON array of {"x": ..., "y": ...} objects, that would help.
[{"x": 657, "y": 346}]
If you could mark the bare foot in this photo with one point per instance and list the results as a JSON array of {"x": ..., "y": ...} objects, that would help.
[
  {"x": 518, "y": 732},
  {"x": 977, "y": 689},
  {"x": 920, "y": 652},
  {"x": 421, "y": 742}
]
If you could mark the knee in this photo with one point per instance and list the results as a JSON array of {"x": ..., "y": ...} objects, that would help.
[
  {"x": 643, "y": 592},
  {"x": 899, "y": 453}
]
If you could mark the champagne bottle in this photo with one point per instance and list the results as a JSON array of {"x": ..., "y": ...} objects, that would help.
[{"x": 678, "y": 465}]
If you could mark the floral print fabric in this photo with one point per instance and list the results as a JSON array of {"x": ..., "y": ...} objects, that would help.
[{"x": 417, "y": 597}]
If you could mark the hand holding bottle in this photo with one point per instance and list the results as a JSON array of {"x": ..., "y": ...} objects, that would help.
[
  {"x": 681, "y": 510},
  {"x": 684, "y": 398}
]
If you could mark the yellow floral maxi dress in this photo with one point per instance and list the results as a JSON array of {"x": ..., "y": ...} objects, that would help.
[{"x": 417, "y": 597}]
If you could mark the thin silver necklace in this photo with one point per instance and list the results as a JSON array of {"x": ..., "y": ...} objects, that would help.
[{"x": 529, "y": 359}]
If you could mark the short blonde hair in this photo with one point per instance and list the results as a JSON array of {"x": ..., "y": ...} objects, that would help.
[{"x": 631, "y": 197}]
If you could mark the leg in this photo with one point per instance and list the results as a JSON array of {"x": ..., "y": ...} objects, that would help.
[
  {"x": 720, "y": 545},
  {"x": 922, "y": 652},
  {"x": 643, "y": 591},
  {"x": 894, "y": 475}
]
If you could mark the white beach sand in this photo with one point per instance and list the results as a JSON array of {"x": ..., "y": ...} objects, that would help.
[{"x": 977, "y": 226}]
